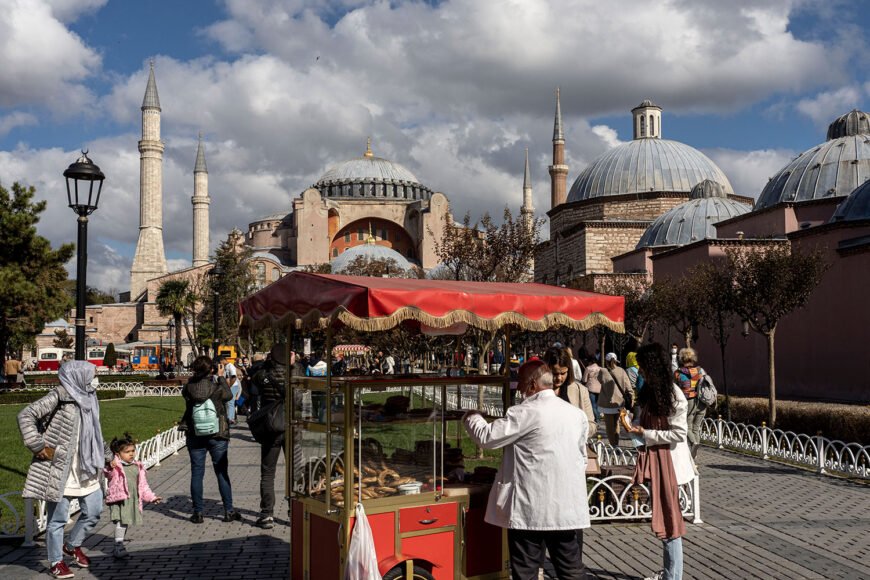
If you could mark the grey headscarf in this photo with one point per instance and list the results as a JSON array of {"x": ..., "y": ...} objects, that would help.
[{"x": 77, "y": 377}]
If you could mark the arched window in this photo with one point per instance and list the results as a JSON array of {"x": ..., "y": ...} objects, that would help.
[
  {"x": 642, "y": 126},
  {"x": 261, "y": 274},
  {"x": 334, "y": 252},
  {"x": 652, "y": 126}
]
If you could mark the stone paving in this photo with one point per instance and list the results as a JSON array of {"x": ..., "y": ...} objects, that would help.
[{"x": 761, "y": 520}]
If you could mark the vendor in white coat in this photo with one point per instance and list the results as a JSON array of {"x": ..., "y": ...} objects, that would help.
[{"x": 544, "y": 441}]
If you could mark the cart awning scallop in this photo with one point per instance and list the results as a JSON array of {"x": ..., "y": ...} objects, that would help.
[{"x": 375, "y": 304}]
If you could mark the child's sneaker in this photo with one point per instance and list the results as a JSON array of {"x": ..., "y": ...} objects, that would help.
[
  {"x": 61, "y": 570},
  {"x": 120, "y": 551}
]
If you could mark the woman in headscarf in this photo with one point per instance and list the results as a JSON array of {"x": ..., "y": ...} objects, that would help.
[
  {"x": 664, "y": 462},
  {"x": 62, "y": 430}
]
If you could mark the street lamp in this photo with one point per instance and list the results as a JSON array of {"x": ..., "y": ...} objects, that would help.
[
  {"x": 174, "y": 357},
  {"x": 216, "y": 274},
  {"x": 84, "y": 203}
]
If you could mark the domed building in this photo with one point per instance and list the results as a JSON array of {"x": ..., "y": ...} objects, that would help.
[
  {"x": 336, "y": 214},
  {"x": 615, "y": 199}
]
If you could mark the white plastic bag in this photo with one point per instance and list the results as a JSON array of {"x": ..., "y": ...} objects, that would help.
[{"x": 362, "y": 561}]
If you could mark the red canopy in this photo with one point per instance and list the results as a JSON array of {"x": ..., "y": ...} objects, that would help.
[{"x": 374, "y": 304}]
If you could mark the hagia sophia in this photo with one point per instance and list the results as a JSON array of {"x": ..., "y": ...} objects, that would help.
[{"x": 650, "y": 206}]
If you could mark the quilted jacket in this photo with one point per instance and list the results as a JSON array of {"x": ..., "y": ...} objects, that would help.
[
  {"x": 46, "y": 479},
  {"x": 117, "y": 484},
  {"x": 197, "y": 391}
]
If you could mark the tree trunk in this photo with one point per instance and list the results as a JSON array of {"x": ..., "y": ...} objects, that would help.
[
  {"x": 724, "y": 371},
  {"x": 687, "y": 335},
  {"x": 178, "y": 319},
  {"x": 771, "y": 377}
]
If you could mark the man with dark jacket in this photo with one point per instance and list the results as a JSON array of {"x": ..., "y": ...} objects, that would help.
[
  {"x": 269, "y": 384},
  {"x": 205, "y": 397}
]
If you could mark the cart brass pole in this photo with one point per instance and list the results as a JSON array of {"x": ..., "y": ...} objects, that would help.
[
  {"x": 506, "y": 371},
  {"x": 289, "y": 439}
]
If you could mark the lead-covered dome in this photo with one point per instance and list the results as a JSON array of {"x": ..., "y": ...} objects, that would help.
[
  {"x": 855, "y": 207},
  {"x": 833, "y": 169},
  {"x": 643, "y": 165},
  {"x": 693, "y": 220},
  {"x": 371, "y": 251},
  {"x": 371, "y": 177}
]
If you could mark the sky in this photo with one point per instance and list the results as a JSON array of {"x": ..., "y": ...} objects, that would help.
[{"x": 454, "y": 90}]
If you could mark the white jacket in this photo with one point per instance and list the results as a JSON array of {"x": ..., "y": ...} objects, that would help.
[
  {"x": 541, "y": 484},
  {"x": 676, "y": 437}
]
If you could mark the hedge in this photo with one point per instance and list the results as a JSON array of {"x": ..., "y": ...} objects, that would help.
[
  {"x": 848, "y": 423},
  {"x": 10, "y": 398}
]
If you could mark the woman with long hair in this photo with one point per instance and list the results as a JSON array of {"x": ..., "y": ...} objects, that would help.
[
  {"x": 567, "y": 386},
  {"x": 664, "y": 461}
]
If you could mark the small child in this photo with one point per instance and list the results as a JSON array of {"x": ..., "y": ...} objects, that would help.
[{"x": 127, "y": 490}]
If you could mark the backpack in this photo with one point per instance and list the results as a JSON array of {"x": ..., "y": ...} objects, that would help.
[
  {"x": 706, "y": 390},
  {"x": 205, "y": 419}
]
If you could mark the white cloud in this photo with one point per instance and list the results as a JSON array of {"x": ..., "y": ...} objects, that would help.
[
  {"x": 828, "y": 105},
  {"x": 749, "y": 171},
  {"x": 16, "y": 119},
  {"x": 69, "y": 10}
]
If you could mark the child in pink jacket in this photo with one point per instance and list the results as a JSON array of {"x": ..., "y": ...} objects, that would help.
[{"x": 127, "y": 490}]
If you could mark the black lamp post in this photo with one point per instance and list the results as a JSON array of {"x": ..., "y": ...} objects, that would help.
[
  {"x": 173, "y": 358},
  {"x": 161, "y": 358},
  {"x": 84, "y": 203},
  {"x": 216, "y": 274}
]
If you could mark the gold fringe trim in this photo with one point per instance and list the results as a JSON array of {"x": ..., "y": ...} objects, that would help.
[{"x": 315, "y": 318}]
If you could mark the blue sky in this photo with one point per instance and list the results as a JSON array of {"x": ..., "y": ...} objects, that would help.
[{"x": 453, "y": 90}]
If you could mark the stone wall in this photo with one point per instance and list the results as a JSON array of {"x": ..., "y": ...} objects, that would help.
[{"x": 586, "y": 250}]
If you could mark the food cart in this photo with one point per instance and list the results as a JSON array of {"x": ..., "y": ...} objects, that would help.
[{"x": 365, "y": 439}]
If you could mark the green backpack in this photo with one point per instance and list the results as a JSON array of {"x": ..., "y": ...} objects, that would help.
[{"x": 205, "y": 419}]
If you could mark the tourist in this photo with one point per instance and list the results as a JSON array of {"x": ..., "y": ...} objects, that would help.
[
  {"x": 316, "y": 366},
  {"x": 542, "y": 436},
  {"x": 615, "y": 393},
  {"x": 566, "y": 385},
  {"x": 592, "y": 380},
  {"x": 675, "y": 363},
  {"x": 208, "y": 432},
  {"x": 634, "y": 377},
  {"x": 231, "y": 374},
  {"x": 46, "y": 426},
  {"x": 13, "y": 370},
  {"x": 128, "y": 490},
  {"x": 687, "y": 376},
  {"x": 575, "y": 365},
  {"x": 663, "y": 462}
]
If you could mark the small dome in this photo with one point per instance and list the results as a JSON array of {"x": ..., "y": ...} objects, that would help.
[
  {"x": 643, "y": 165},
  {"x": 832, "y": 169},
  {"x": 853, "y": 123},
  {"x": 646, "y": 103},
  {"x": 856, "y": 206},
  {"x": 706, "y": 189},
  {"x": 371, "y": 251},
  {"x": 691, "y": 221},
  {"x": 366, "y": 168}
]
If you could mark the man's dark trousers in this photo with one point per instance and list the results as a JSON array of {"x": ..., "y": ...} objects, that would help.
[
  {"x": 527, "y": 550},
  {"x": 269, "y": 454}
]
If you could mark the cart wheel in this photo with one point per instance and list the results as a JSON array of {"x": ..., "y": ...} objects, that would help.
[{"x": 398, "y": 573}]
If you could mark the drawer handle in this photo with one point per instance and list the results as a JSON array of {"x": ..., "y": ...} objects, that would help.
[{"x": 428, "y": 522}]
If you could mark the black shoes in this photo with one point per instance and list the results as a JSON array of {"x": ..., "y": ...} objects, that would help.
[
  {"x": 265, "y": 522},
  {"x": 196, "y": 518},
  {"x": 233, "y": 516}
]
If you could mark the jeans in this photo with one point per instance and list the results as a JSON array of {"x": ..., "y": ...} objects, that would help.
[
  {"x": 695, "y": 416},
  {"x": 268, "y": 464},
  {"x": 673, "y": 559},
  {"x": 594, "y": 398},
  {"x": 58, "y": 514},
  {"x": 526, "y": 549},
  {"x": 217, "y": 448},
  {"x": 231, "y": 405}
]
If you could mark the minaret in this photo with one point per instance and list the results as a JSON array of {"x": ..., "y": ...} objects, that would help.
[
  {"x": 200, "y": 201},
  {"x": 558, "y": 170},
  {"x": 150, "y": 260},
  {"x": 527, "y": 211}
]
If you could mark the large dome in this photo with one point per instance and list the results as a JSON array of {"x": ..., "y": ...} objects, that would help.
[
  {"x": 833, "y": 169},
  {"x": 855, "y": 207},
  {"x": 371, "y": 251},
  {"x": 371, "y": 177},
  {"x": 693, "y": 220},
  {"x": 643, "y": 165}
]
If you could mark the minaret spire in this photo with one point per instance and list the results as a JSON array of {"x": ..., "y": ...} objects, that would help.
[
  {"x": 527, "y": 212},
  {"x": 200, "y": 201},
  {"x": 558, "y": 170},
  {"x": 150, "y": 259}
]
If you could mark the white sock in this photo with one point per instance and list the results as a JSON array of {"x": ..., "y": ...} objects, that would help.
[{"x": 120, "y": 532}]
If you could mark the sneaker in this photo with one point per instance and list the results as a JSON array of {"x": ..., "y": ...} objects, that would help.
[
  {"x": 77, "y": 555},
  {"x": 233, "y": 516},
  {"x": 657, "y": 576},
  {"x": 120, "y": 551},
  {"x": 266, "y": 522},
  {"x": 61, "y": 570},
  {"x": 196, "y": 518}
]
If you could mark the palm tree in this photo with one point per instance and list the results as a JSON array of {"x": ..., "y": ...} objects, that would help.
[{"x": 173, "y": 299}]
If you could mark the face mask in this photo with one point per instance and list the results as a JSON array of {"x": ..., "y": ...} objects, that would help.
[{"x": 673, "y": 351}]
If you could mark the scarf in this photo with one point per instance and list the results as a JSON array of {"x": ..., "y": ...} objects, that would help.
[
  {"x": 655, "y": 465},
  {"x": 77, "y": 378}
]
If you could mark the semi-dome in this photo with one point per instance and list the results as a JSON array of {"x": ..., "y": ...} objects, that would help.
[
  {"x": 371, "y": 251},
  {"x": 643, "y": 165},
  {"x": 369, "y": 176},
  {"x": 832, "y": 169},
  {"x": 856, "y": 206},
  {"x": 693, "y": 220}
]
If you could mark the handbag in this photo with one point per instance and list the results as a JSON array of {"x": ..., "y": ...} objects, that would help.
[{"x": 267, "y": 422}]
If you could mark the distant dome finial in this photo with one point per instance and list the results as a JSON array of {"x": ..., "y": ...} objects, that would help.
[
  {"x": 371, "y": 239},
  {"x": 707, "y": 189},
  {"x": 368, "y": 152},
  {"x": 853, "y": 123}
]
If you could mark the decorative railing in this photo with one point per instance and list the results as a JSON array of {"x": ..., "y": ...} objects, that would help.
[
  {"x": 33, "y": 518},
  {"x": 823, "y": 455},
  {"x": 131, "y": 388},
  {"x": 454, "y": 401}
]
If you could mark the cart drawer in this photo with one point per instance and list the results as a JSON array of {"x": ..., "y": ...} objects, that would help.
[{"x": 427, "y": 517}]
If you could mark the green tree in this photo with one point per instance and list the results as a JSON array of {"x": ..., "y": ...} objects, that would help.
[
  {"x": 110, "y": 359},
  {"x": 769, "y": 283},
  {"x": 678, "y": 303},
  {"x": 32, "y": 273},
  {"x": 377, "y": 268},
  {"x": 62, "y": 339},
  {"x": 236, "y": 281},
  {"x": 639, "y": 305},
  {"x": 175, "y": 299}
]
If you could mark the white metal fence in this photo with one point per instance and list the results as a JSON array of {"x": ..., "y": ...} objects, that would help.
[{"x": 131, "y": 388}]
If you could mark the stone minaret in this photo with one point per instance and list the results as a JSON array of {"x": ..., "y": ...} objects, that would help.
[
  {"x": 200, "y": 201},
  {"x": 647, "y": 118},
  {"x": 528, "y": 210},
  {"x": 558, "y": 170},
  {"x": 150, "y": 260}
]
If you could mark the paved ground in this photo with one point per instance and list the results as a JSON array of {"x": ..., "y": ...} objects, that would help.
[{"x": 761, "y": 520}]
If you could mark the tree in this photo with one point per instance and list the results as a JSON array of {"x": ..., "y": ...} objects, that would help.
[
  {"x": 234, "y": 284},
  {"x": 175, "y": 299},
  {"x": 769, "y": 283},
  {"x": 324, "y": 268},
  {"x": 32, "y": 274},
  {"x": 62, "y": 339},
  {"x": 639, "y": 305},
  {"x": 110, "y": 359},
  {"x": 92, "y": 295},
  {"x": 377, "y": 268},
  {"x": 678, "y": 303}
]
